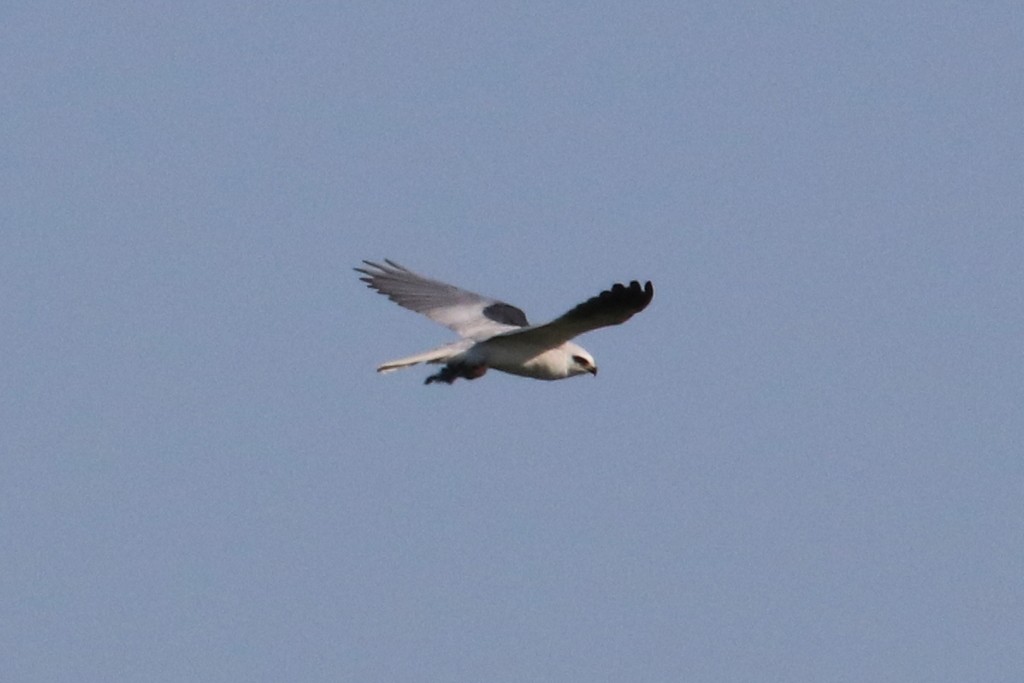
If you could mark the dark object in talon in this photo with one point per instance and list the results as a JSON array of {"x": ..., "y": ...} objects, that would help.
[{"x": 450, "y": 373}]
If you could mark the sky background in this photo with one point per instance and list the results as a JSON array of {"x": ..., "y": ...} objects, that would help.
[{"x": 802, "y": 462}]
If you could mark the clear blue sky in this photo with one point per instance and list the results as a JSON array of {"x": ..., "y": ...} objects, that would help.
[{"x": 802, "y": 463}]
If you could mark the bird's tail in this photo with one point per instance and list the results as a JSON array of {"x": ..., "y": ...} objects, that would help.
[{"x": 439, "y": 355}]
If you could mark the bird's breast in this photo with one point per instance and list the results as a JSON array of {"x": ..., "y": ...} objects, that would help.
[{"x": 526, "y": 361}]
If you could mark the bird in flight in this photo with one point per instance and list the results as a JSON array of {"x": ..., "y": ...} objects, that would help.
[{"x": 495, "y": 334}]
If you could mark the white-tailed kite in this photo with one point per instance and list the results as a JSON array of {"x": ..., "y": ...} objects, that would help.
[{"x": 496, "y": 334}]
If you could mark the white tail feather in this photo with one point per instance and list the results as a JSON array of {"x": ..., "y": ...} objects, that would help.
[{"x": 438, "y": 355}]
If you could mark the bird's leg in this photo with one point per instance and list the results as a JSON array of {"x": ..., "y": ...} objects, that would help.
[
  {"x": 450, "y": 373},
  {"x": 474, "y": 371}
]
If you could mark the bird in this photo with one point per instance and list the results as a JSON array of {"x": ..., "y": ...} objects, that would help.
[{"x": 496, "y": 335}]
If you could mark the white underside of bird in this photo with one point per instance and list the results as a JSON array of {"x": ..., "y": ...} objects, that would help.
[{"x": 563, "y": 361}]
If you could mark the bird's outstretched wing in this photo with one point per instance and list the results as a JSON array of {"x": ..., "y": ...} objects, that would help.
[
  {"x": 610, "y": 307},
  {"x": 470, "y": 315}
]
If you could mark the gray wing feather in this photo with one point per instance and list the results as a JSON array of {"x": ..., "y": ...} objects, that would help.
[
  {"x": 611, "y": 307},
  {"x": 468, "y": 314}
]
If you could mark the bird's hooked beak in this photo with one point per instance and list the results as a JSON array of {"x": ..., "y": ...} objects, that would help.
[{"x": 592, "y": 370}]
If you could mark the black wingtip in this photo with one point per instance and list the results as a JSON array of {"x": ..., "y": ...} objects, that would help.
[
  {"x": 649, "y": 291},
  {"x": 635, "y": 297}
]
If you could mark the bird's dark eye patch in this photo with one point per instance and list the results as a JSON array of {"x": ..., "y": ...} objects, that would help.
[{"x": 580, "y": 360}]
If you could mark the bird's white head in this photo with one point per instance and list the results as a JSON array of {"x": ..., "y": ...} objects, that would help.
[{"x": 580, "y": 360}]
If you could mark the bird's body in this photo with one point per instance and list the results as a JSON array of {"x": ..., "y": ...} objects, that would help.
[
  {"x": 528, "y": 360},
  {"x": 497, "y": 335}
]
